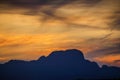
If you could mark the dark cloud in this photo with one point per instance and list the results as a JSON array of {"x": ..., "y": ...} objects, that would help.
[
  {"x": 100, "y": 39},
  {"x": 34, "y": 7},
  {"x": 117, "y": 61},
  {"x": 115, "y": 24},
  {"x": 36, "y": 3},
  {"x": 22, "y": 3},
  {"x": 112, "y": 50},
  {"x": 90, "y": 2},
  {"x": 53, "y": 5},
  {"x": 109, "y": 50}
]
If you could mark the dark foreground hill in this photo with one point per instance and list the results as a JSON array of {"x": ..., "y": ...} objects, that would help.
[{"x": 59, "y": 65}]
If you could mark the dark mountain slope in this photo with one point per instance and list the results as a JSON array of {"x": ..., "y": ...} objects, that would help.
[{"x": 59, "y": 65}]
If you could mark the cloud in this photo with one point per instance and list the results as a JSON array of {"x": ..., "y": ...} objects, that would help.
[
  {"x": 115, "y": 17},
  {"x": 30, "y": 3},
  {"x": 35, "y": 6},
  {"x": 81, "y": 24},
  {"x": 116, "y": 23},
  {"x": 106, "y": 48},
  {"x": 110, "y": 50},
  {"x": 49, "y": 10},
  {"x": 117, "y": 61},
  {"x": 100, "y": 39}
]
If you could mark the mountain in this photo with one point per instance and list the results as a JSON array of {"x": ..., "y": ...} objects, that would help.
[{"x": 59, "y": 65}]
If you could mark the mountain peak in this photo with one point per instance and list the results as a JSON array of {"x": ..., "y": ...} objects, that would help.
[{"x": 70, "y": 53}]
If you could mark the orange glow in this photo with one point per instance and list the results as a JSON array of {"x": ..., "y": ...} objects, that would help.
[
  {"x": 108, "y": 59},
  {"x": 41, "y": 31}
]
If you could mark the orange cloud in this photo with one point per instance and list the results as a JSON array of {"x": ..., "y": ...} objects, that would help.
[{"x": 109, "y": 59}]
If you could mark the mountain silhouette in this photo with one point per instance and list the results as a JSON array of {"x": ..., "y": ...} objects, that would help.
[{"x": 59, "y": 65}]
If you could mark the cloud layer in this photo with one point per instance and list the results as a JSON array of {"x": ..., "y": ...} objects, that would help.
[{"x": 36, "y": 27}]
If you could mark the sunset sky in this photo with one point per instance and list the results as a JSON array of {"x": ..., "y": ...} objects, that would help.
[{"x": 32, "y": 28}]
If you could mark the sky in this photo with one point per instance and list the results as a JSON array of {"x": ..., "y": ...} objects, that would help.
[{"x": 32, "y": 28}]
